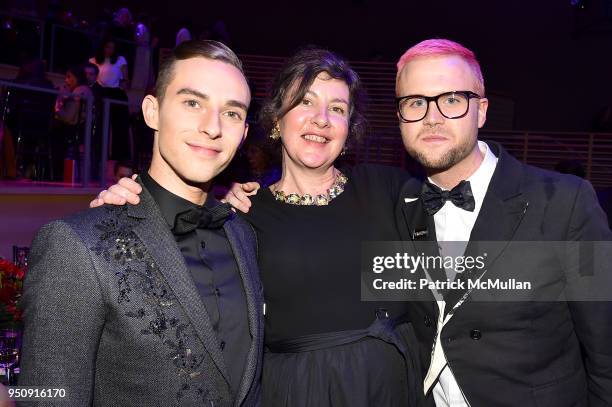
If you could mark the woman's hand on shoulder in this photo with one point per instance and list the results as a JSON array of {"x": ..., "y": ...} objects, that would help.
[
  {"x": 238, "y": 195},
  {"x": 125, "y": 191}
]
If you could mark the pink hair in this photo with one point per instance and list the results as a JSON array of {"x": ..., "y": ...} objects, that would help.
[{"x": 441, "y": 47}]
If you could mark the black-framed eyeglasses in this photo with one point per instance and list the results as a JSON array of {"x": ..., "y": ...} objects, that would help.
[{"x": 452, "y": 105}]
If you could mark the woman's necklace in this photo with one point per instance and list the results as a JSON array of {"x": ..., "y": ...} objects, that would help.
[{"x": 322, "y": 199}]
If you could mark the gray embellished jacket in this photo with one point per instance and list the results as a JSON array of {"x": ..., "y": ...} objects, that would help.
[{"x": 113, "y": 317}]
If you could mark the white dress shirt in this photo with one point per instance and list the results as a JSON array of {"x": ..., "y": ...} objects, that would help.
[{"x": 454, "y": 224}]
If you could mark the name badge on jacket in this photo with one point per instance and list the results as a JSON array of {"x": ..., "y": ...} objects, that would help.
[{"x": 419, "y": 234}]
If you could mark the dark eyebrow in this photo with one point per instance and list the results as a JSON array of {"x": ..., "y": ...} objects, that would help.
[
  {"x": 340, "y": 100},
  {"x": 189, "y": 91},
  {"x": 231, "y": 103},
  {"x": 336, "y": 100},
  {"x": 235, "y": 103}
]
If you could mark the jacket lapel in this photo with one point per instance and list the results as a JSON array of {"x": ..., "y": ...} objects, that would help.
[
  {"x": 502, "y": 211},
  {"x": 418, "y": 228},
  {"x": 156, "y": 236},
  {"x": 413, "y": 221},
  {"x": 246, "y": 259}
]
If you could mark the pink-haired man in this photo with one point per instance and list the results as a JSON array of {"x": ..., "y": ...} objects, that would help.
[{"x": 494, "y": 353}]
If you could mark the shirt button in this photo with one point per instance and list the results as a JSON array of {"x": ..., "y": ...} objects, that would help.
[
  {"x": 222, "y": 345},
  {"x": 427, "y": 321},
  {"x": 475, "y": 334},
  {"x": 202, "y": 244},
  {"x": 449, "y": 339}
]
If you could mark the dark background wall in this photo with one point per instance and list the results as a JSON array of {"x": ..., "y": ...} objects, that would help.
[{"x": 535, "y": 52}]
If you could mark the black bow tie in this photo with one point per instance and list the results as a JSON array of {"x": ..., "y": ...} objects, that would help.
[
  {"x": 202, "y": 218},
  {"x": 434, "y": 198}
]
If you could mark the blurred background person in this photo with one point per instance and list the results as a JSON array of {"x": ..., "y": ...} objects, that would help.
[
  {"x": 69, "y": 120},
  {"x": 113, "y": 78},
  {"x": 113, "y": 71},
  {"x": 69, "y": 106},
  {"x": 264, "y": 165},
  {"x": 91, "y": 73}
]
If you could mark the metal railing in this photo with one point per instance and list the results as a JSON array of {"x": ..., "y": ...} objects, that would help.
[
  {"x": 546, "y": 149},
  {"x": 7, "y": 88},
  {"x": 106, "y": 136}
]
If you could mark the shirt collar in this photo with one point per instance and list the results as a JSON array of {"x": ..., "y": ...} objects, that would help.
[
  {"x": 479, "y": 180},
  {"x": 170, "y": 204}
]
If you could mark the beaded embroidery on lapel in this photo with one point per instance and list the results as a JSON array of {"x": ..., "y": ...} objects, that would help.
[{"x": 141, "y": 276}]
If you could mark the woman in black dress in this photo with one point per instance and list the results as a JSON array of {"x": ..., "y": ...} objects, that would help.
[{"x": 324, "y": 346}]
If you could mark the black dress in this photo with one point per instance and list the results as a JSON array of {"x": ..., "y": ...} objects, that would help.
[{"x": 324, "y": 346}]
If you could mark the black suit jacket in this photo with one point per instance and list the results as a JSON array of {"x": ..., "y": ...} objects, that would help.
[
  {"x": 113, "y": 316},
  {"x": 542, "y": 353}
]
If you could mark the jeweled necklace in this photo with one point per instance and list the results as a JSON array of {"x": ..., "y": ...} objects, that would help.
[{"x": 322, "y": 199}]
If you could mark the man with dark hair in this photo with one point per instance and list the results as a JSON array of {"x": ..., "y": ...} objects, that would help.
[
  {"x": 91, "y": 72},
  {"x": 157, "y": 303},
  {"x": 498, "y": 347},
  {"x": 216, "y": 52}
]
